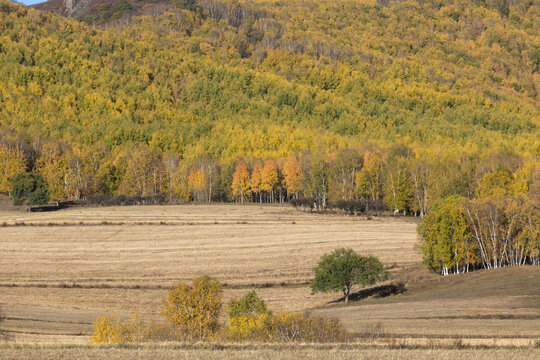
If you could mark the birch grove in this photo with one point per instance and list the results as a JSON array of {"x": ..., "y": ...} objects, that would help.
[{"x": 461, "y": 235}]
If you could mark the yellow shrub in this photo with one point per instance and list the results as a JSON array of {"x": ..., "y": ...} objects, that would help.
[
  {"x": 194, "y": 310},
  {"x": 154, "y": 331},
  {"x": 288, "y": 326},
  {"x": 302, "y": 327},
  {"x": 251, "y": 328},
  {"x": 284, "y": 327},
  {"x": 111, "y": 330}
]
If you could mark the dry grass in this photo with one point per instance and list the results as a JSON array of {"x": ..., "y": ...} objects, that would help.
[
  {"x": 240, "y": 245},
  {"x": 61, "y": 270},
  {"x": 331, "y": 352},
  {"x": 502, "y": 303}
]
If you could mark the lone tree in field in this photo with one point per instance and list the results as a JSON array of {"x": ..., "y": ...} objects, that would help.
[
  {"x": 343, "y": 268},
  {"x": 30, "y": 189}
]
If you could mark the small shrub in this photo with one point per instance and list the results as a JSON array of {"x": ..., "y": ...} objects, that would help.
[
  {"x": 248, "y": 305},
  {"x": 304, "y": 204},
  {"x": 304, "y": 328},
  {"x": 249, "y": 319},
  {"x": 112, "y": 330},
  {"x": 154, "y": 331},
  {"x": 374, "y": 331},
  {"x": 458, "y": 344},
  {"x": 257, "y": 328}
]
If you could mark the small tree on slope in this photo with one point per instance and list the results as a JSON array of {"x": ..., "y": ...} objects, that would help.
[{"x": 343, "y": 268}]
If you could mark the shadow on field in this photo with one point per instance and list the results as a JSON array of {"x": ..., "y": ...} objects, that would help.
[{"x": 379, "y": 292}]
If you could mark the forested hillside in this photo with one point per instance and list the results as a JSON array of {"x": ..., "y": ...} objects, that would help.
[{"x": 119, "y": 105}]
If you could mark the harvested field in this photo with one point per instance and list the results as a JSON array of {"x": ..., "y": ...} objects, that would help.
[
  {"x": 330, "y": 352},
  {"x": 62, "y": 269},
  {"x": 245, "y": 245}
]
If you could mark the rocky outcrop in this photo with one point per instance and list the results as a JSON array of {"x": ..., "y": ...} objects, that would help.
[{"x": 73, "y": 8}]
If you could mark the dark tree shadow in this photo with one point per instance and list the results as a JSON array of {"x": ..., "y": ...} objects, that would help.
[
  {"x": 377, "y": 292},
  {"x": 58, "y": 206}
]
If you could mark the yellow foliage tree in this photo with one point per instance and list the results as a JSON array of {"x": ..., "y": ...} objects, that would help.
[
  {"x": 145, "y": 173},
  {"x": 11, "y": 164},
  {"x": 52, "y": 164},
  {"x": 269, "y": 178},
  {"x": 179, "y": 182},
  {"x": 112, "y": 330},
  {"x": 194, "y": 310},
  {"x": 256, "y": 178},
  {"x": 197, "y": 184}
]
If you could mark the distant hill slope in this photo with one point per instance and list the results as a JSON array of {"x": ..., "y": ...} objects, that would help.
[
  {"x": 265, "y": 78},
  {"x": 98, "y": 11}
]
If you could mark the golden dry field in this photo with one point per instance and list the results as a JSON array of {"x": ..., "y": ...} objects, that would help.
[
  {"x": 250, "y": 352},
  {"x": 60, "y": 270}
]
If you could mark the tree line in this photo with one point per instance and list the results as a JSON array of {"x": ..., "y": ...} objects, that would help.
[{"x": 364, "y": 179}]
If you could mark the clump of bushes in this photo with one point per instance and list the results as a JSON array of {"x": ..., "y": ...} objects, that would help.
[
  {"x": 360, "y": 207},
  {"x": 250, "y": 320},
  {"x": 112, "y": 330},
  {"x": 350, "y": 207},
  {"x": 192, "y": 313},
  {"x": 304, "y": 204}
]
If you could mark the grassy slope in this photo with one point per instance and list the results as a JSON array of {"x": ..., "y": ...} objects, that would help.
[
  {"x": 523, "y": 281},
  {"x": 502, "y": 303}
]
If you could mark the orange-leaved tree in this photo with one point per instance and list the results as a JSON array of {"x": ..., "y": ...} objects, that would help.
[
  {"x": 256, "y": 178},
  {"x": 292, "y": 176},
  {"x": 241, "y": 186},
  {"x": 269, "y": 178}
]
